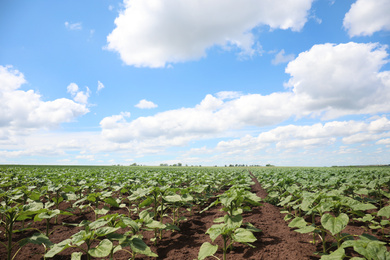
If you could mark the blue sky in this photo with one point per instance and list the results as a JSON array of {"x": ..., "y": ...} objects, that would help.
[{"x": 296, "y": 82}]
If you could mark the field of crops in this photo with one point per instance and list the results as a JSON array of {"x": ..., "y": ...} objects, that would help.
[{"x": 194, "y": 213}]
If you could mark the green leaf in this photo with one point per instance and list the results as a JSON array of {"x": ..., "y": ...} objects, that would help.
[
  {"x": 76, "y": 256},
  {"x": 96, "y": 224},
  {"x": 57, "y": 248},
  {"x": 371, "y": 249},
  {"x": 233, "y": 222},
  {"x": 252, "y": 228},
  {"x": 384, "y": 212},
  {"x": 102, "y": 211},
  {"x": 37, "y": 239},
  {"x": 102, "y": 250},
  {"x": 334, "y": 224},
  {"x": 170, "y": 226},
  {"x": 206, "y": 250},
  {"x": 243, "y": 235},
  {"x": 139, "y": 246},
  {"x": 304, "y": 230},
  {"x": 105, "y": 230},
  {"x": 130, "y": 223},
  {"x": 112, "y": 202},
  {"x": 297, "y": 222},
  {"x": 339, "y": 254},
  {"x": 156, "y": 225},
  {"x": 80, "y": 237},
  {"x": 215, "y": 230},
  {"x": 173, "y": 198},
  {"x": 219, "y": 220},
  {"x": 48, "y": 214}
]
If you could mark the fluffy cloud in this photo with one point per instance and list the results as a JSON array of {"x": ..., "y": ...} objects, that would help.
[
  {"x": 309, "y": 136},
  {"x": 78, "y": 96},
  {"x": 145, "y": 104},
  {"x": 328, "y": 81},
  {"x": 211, "y": 117},
  {"x": 153, "y": 33},
  {"x": 367, "y": 17},
  {"x": 24, "y": 110},
  {"x": 340, "y": 80}
]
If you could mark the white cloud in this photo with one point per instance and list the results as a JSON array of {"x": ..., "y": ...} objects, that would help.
[
  {"x": 211, "y": 117},
  {"x": 22, "y": 111},
  {"x": 145, "y": 104},
  {"x": 280, "y": 57},
  {"x": 310, "y": 136},
  {"x": 228, "y": 95},
  {"x": 367, "y": 17},
  {"x": 341, "y": 79},
  {"x": 100, "y": 86},
  {"x": 328, "y": 81},
  {"x": 73, "y": 26},
  {"x": 150, "y": 33},
  {"x": 385, "y": 141},
  {"x": 79, "y": 96}
]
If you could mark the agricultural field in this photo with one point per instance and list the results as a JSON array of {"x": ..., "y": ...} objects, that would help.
[{"x": 120, "y": 213}]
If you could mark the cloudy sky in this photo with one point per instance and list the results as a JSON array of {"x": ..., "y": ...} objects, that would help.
[{"x": 201, "y": 82}]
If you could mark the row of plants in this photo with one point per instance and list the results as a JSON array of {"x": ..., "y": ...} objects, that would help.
[
  {"x": 324, "y": 201},
  {"x": 153, "y": 199}
]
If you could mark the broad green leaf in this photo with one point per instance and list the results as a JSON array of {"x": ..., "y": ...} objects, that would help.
[
  {"x": 243, "y": 235},
  {"x": 57, "y": 248},
  {"x": 173, "y": 198},
  {"x": 297, "y": 222},
  {"x": 371, "y": 249},
  {"x": 33, "y": 206},
  {"x": 377, "y": 251},
  {"x": 334, "y": 224},
  {"x": 76, "y": 256},
  {"x": 339, "y": 254},
  {"x": 130, "y": 223},
  {"x": 233, "y": 222},
  {"x": 252, "y": 228},
  {"x": 37, "y": 239},
  {"x": 80, "y": 237},
  {"x": 105, "y": 230},
  {"x": 306, "y": 229},
  {"x": 102, "y": 211},
  {"x": 112, "y": 202},
  {"x": 139, "y": 246},
  {"x": 219, "y": 220},
  {"x": 206, "y": 250},
  {"x": 156, "y": 224},
  {"x": 102, "y": 250},
  {"x": 170, "y": 226},
  {"x": 48, "y": 214},
  {"x": 384, "y": 212},
  {"x": 98, "y": 223},
  {"x": 356, "y": 205},
  {"x": 215, "y": 230},
  {"x": 285, "y": 201}
]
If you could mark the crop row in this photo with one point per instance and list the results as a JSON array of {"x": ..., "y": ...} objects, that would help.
[
  {"x": 324, "y": 201},
  {"x": 153, "y": 199}
]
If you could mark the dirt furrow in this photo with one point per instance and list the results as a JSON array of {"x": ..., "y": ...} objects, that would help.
[{"x": 277, "y": 240}]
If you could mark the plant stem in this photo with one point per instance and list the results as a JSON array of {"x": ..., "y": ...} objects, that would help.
[
  {"x": 224, "y": 246},
  {"x": 47, "y": 227}
]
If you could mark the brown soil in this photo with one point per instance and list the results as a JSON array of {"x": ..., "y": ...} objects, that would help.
[{"x": 275, "y": 241}]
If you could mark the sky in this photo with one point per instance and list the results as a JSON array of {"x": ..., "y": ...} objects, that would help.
[{"x": 197, "y": 82}]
